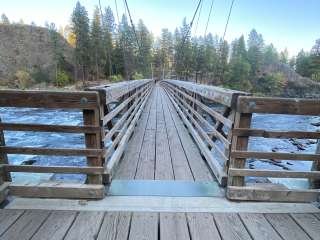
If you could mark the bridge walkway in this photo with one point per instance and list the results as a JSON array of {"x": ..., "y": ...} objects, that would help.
[{"x": 161, "y": 147}]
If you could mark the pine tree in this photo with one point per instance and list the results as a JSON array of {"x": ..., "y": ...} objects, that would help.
[
  {"x": 144, "y": 50},
  {"x": 270, "y": 55},
  {"x": 108, "y": 26},
  {"x": 284, "y": 56},
  {"x": 80, "y": 27},
  {"x": 4, "y": 19},
  {"x": 255, "y": 54},
  {"x": 97, "y": 57}
]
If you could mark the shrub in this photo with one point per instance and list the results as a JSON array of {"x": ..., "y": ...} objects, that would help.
[
  {"x": 23, "y": 79},
  {"x": 116, "y": 78},
  {"x": 137, "y": 76},
  {"x": 62, "y": 79}
]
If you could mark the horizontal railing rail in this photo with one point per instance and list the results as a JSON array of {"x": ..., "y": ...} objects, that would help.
[
  {"x": 122, "y": 105},
  {"x": 210, "y": 127},
  {"x": 238, "y": 188},
  {"x": 89, "y": 104}
]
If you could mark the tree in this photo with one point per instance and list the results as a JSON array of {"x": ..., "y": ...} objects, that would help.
[
  {"x": 255, "y": 52},
  {"x": 284, "y": 56},
  {"x": 303, "y": 64},
  {"x": 97, "y": 57},
  {"x": 271, "y": 55},
  {"x": 80, "y": 27},
  {"x": 4, "y": 19},
  {"x": 108, "y": 27}
]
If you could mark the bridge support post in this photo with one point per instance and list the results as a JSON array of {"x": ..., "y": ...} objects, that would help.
[
  {"x": 3, "y": 157},
  {"x": 315, "y": 183}
]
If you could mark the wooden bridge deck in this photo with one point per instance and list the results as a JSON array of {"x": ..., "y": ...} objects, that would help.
[
  {"x": 161, "y": 147},
  {"x": 41, "y": 224}
]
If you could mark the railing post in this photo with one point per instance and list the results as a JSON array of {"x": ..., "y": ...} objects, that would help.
[
  {"x": 93, "y": 140},
  {"x": 4, "y": 157},
  {"x": 242, "y": 120},
  {"x": 315, "y": 183}
]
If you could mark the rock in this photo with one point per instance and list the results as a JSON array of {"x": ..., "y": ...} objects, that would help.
[
  {"x": 311, "y": 141},
  {"x": 275, "y": 149},
  {"x": 28, "y": 162},
  {"x": 289, "y": 163},
  {"x": 301, "y": 146},
  {"x": 316, "y": 124}
]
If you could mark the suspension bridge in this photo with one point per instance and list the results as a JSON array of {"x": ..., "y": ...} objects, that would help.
[{"x": 164, "y": 160}]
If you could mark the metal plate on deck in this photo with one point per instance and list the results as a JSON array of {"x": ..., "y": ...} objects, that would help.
[{"x": 165, "y": 188}]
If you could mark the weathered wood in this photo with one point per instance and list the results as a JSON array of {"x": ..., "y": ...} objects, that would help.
[
  {"x": 216, "y": 115},
  {"x": 56, "y": 226},
  {"x": 231, "y": 227},
  {"x": 26, "y": 226},
  {"x": 174, "y": 226},
  {"x": 215, "y": 167},
  {"x": 7, "y": 218},
  {"x": 278, "y": 105},
  {"x": 273, "y": 173},
  {"x": 286, "y": 227},
  {"x": 51, "y": 151},
  {"x": 221, "y": 95},
  {"x": 49, "y": 99},
  {"x": 48, "y": 128},
  {"x": 309, "y": 223},
  {"x": 53, "y": 169},
  {"x": 259, "y": 227},
  {"x": 93, "y": 141},
  {"x": 119, "y": 151},
  {"x": 245, "y": 132},
  {"x": 4, "y": 176},
  {"x": 144, "y": 226},
  {"x": 115, "y": 226},
  {"x": 57, "y": 190},
  {"x": 255, "y": 193},
  {"x": 315, "y": 183},
  {"x": 120, "y": 107},
  {"x": 86, "y": 226},
  {"x": 4, "y": 191},
  {"x": 198, "y": 225},
  {"x": 275, "y": 155}
]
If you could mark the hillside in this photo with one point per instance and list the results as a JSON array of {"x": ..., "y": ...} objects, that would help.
[
  {"x": 28, "y": 48},
  {"x": 297, "y": 86}
]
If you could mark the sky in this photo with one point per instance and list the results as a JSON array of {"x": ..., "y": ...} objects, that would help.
[{"x": 291, "y": 24}]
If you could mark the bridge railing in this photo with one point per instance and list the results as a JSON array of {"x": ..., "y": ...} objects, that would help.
[
  {"x": 208, "y": 112},
  {"x": 238, "y": 186},
  {"x": 122, "y": 105},
  {"x": 86, "y": 102}
]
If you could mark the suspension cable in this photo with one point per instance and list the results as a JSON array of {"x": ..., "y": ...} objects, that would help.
[
  {"x": 209, "y": 16},
  {"x": 132, "y": 25}
]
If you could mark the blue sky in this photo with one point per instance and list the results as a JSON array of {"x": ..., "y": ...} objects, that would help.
[{"x": 286, "y": 23}]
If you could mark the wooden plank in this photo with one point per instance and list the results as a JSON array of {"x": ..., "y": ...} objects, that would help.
[
  {"x": 50, "y": 151},
  {"x": 5, "y": 176},
  {"x": 173, "y": 226},
  {"x": 245, "y": 132},
  {"x": 216, "y": 115},
  {"x": 7, "y": 218},
  {"x": 231, "y": 227},
  {"x": 57, "y": 190},
  {"x": 144, "y": 225},
  {"x": 259, "y": 227},
  {"x": 239, "y": 143},
  {"x": 113, "y": 162},
  {"x": 56, "y": 226},
  {"x": 286, "y": 227},
  {"x": 273, "y": 173},
  {"x": 198, "y": 166},
  {"x": 26, "y": 225},
  {"x": 120, "y": 107},
  {"x": 48, "y": 128},
  {"x": 115, "y": 226},
  {"x": 215, "y": 167},
  {"x": 309, "y": 223},
  {"x": 251, "y": 193},
  {"x": 4, "y": 191},
  {"x": 93, "y": 141},
  {"x": 53, "y": 169},
  {"x": 315, "y": 183},
  {"x": 275, "y": 155},
  {"x": 49, "y": 99},
  {"x": 221, "y": 95},
  {"x": 202, "y": 226},
  {"x": 128, "y": 165},
  {"x": 86, "y": 226},
  {"x": 278, "y": 105},
  {"x": 180, "y": 163},
  {"x": 164, "y": 170}
]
